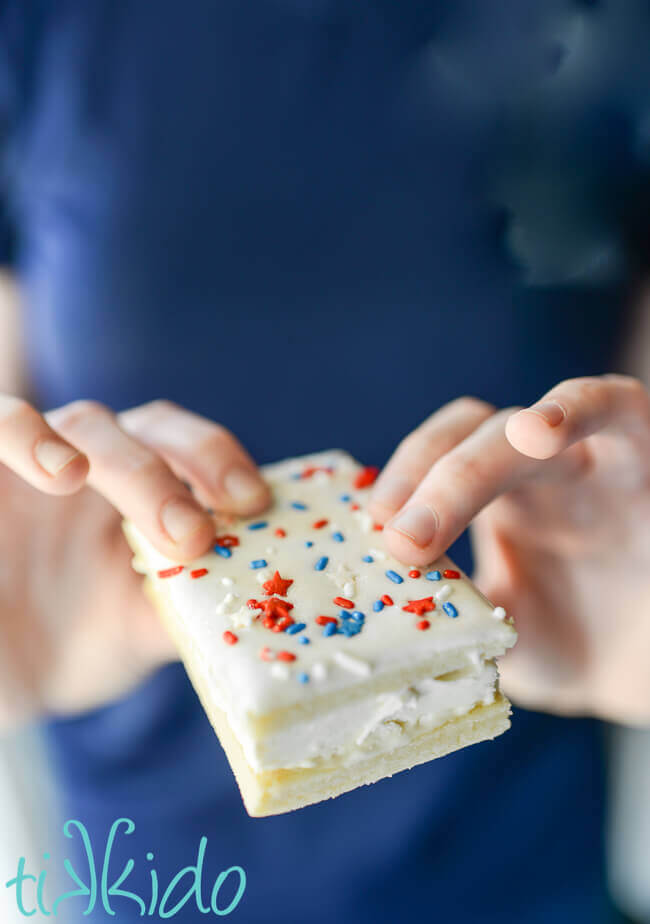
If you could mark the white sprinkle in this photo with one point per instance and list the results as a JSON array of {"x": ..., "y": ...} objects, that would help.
[
  {"x": 262, "y": 576},
  {"x": 349, "y": 589},
  {"x": 352, "y": 664},
  {"x": 378, "y": 553},
  {"x": 241, "y": 618},
  {"x": 498, "y": 612},
  {"x": 444, "y": 593},
  {"x": 365, "y": 521},
  {"x": 318, "y": 671},
  {"x": 280, "y": 671},
  {"x": 475, "y": 658},
  {"x": 270, "y": 550},
  {"x": 227, "y": 582},
  {"x": 229, "y": 603}
]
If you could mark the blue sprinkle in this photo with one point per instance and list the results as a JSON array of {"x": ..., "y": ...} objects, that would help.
[
  {"x": 296, "y": 476},
  {"x": 450, "y": 610},
  {"x": 260, "y": 525},
  {"x": 304, "y": 640},
  {"x": 298, "y": 505},
  {"x": 345, "y": 498},
  {"x": 367, "y": 558},
  {"x": 378, "y": 606},
  {"x": 433, "y": 575},
  {"x": 321, "y": 564},
  {"x": 308, "y": 544},
  {"x": 360, "y": 617},
  {"x": 295, "y": 628},
  {"x": 258, "y": 563},
  {"x": 394, "y": 577},
  {"x": 344, "y": 614},
  {"x": 350, "y": 628},
  {"x": 303, "y": 678},
  {"x": 338, "y": 537},
  {"x": 210, "y": 510},
  {"x": 223, "y": 550},
  {"x": 329, "y": 629}
]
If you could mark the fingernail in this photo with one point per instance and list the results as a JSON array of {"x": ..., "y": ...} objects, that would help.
[
  {"x": 180, "y": 519},
  {"x": 243, "y": 485},
  {"x": 419, "y": 523},
  {"x": 391, "y": 492},
  {"x": 54, "y": 456},
  {"x": 550, "y": 411}
]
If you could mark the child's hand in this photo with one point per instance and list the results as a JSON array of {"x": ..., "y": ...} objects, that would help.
[
  {"x": 75, "y": 628},
  {"x": 559, "y": 498}
]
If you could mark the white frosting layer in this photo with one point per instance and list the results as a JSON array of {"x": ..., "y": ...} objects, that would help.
[{"x": 251, "y": 679}]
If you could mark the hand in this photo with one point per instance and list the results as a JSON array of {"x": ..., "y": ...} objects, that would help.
[
  {"x": 559, "y": 500},
  {"x": 75, "y": 628}
]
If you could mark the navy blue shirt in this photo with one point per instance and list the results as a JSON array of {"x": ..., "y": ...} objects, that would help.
[{"x": 307, "y": 220}]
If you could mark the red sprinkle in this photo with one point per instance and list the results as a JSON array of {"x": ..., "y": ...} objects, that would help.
[
  {"x": 268, "y": 622},
  {"x": 345, "y": 604},
  {"x": 280, "y": 533},
  {"x": 420, "y": 607},
  {"x": 377, "y": 527},
  {"x": 283, "y": 624},
  {"x": 286, "y": 656},
  {"x": 450, "y": 574},
  {"x": 199, "y": 572},
  {"x": 415, "y": 573},
  {"x": 277, "y": 585},
  {"x": 253, "y": 604},
  {"x": 170, "y": 572},
  {"x": 422, "y": 624},
  {"x": 323, "y": 620},
  {"x": 366, "y": 477},
  {"x": 386, "y": 600},
  {"x": 355, "y": 507},
  {"x": 227, "y": 541},
  {"x": 276, "y": 608},
  {"x": 230, "y": 638},
  {"x": 319, "y": 524},
  {"x": 266, "y": 654}
]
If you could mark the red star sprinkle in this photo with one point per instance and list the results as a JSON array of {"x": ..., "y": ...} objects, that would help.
[
  {"x": 277, "y": 585},
  {"x": 230, "y": 638},
  {"x": 342, "y": 602},
  {"x": 170, "y": 572},
  {"x": 450, "y": 574},
  {"x": 253, "y": 604},
  {"x": 420, "y": 607},
  {"x": 422, "y": 625},
  {"x": 276, "y": 609},
  {"x": 286, "y": 656},
  {"x": 227, "y": 542},
  {"x": 366, "y": 477}
]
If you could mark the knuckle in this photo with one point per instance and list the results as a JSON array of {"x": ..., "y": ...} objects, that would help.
[
  {"x": 462, "y": 472},
  {"x": 14, "y": 409},
  {"x": 81, "y": 410},
  {"x": 470, "y": 405}
]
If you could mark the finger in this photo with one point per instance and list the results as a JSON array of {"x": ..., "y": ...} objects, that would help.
[
  {"x": 460, "y": 484},
  {"x": 204, "y": 452},
  {"x": 31, "y": 449},
  {"x": 420, "y": 449},
  {"x": 136, "y": 481},
  {"x": 578, "y": 408}
]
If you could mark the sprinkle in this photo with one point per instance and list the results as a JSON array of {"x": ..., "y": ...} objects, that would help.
[
  {"x": 280, "y": 671},
  {"x": 266, "y": 654},
  {"x": 415, "y": 573},
  {"x": 224, "y": 551},
  {"x": 308, "y": 544},
  {"x": 227, "y": 581},
  {"x": 444, "y": 592},
  {"x": 366, "y": 477},
  {"x": 270, "y": 550},
  {"x": 345, "y": 498},
  {"x": 227, "y": 541},
  {"x": 295, "y": 628},
  {"x": 276, "y": 585},
  {"x": 422, "y": 624},
  {"x": 230, "y": 638},
  {"x": 420, "y": 607},
  {"x": 258, "y": 563},
  {"x": 433, "y": 575},
  {"x": 350, "y": 628},
  {"x": 450, "y": 610},
  {"x": 253, "y": 604},
  {"x": 319, "y": 524},
  {"x": 286, "y": 656},
  {"x": 321, "y": 564},
  {"x": 352, "y": 664},
  {"x": 378, "y": 553},
  {"x": 303, "y": 678},
  {"x": 349, "y": 588},
  {"x": 325, "y": 620},
  {"x": 377, "y": 527},
  {"x": 318, "y": 671},
  {"x": 198, "y": 572},
  {"x": 338, "y": 537},
  {"x": 386, "y": 600},
  {"x": 498, "y": 612},
  {"x": 298, "y": 505},
  {"x": 329, "y": 629},
  {"x": 280, "y": 533},
  {"x": 346, "y": 604},
  {"x": 360, "y": 617},
  {"x": 355, "y": 507},
  {"x": 368, "y": 558},
  {"x": 304, "y": 640},
  {"x": 378, "y": 606},
  {"x": 170, "y": 572},
  {"x": 450, "y": 574},
  {"x": 261, "y": 524},
  {"x": 283, "y": 624},
  {"x": 394, "y": 577}
]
